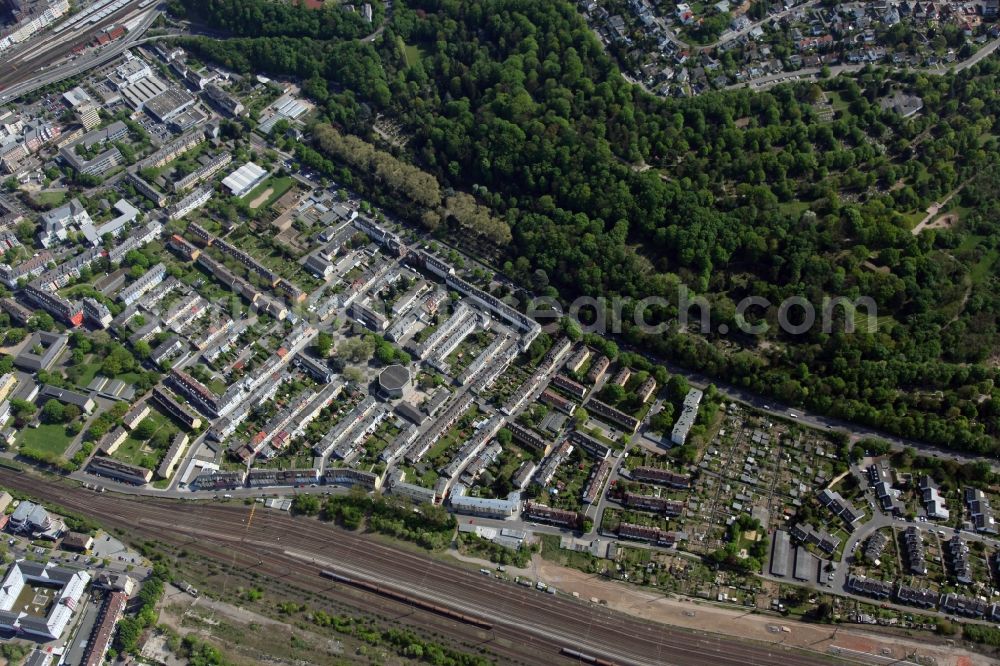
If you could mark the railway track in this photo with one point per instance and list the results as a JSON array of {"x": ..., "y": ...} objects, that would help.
[{"x": 528, "y": 626}]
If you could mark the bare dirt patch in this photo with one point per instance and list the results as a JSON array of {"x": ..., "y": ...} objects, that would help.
[
  {"x": 264, "y": 196},
  {"x": 744, "y": 623},
  {"x": 876, "y": 269},
  {"x": 945, "y": 221}
]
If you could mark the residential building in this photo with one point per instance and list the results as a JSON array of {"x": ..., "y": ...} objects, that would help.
[
  {"x": 598, "y": 368},
  {"x": 913, "y": 544},
  {"x": 579, "y": 357},
  {"x": 485, "y": 507},
  {"x": 616, "y": 416},
  {"x": 119, "y": 471},
  {"x": 653, "y": 535},
  {"x": 8, "y": 383},
  {"x": 219, "y": 481},
  {"x": 18, "y": 313},
  {"x": 147, "y": 281},
  {"x": 652, "y": 503},
  {"x": 112, "y": 611},
  {"x": 347, "y": 476},
  {"x": 595, "y": 482},
  {"x": 172, "y": 456},
  {"x": 574, "y": 388},
  {"x": 689, "y": 412},
  {"x": 191, "y": 202},
  {"x": 840, "y": 507},
  {"x": 77, "y": 541},
  {"x": 664, "y": 477},
  {"x": 875, "y": 546},
  {"x": 135, "y": 416},
  {"x": 958, "y": 555},
  {"x": 96, "y": 313},
  {"x": 27, "y": 269},
  {"x": 553, "y": 516},
  {"x": 869, "y": 587},
  {"x": 30, "y": 518},
  {"x": 591, "y": 445},
  {"x": 178, "y": 411},
  {"x": 112, "y": 440},
  {"x": 915, "y": 596},
  {"x": 257, "y": 478},
  {"x": 934, "y": 503},
  {"x": 66, "y": 311},
  {"x": 980, "y": 511},
  {"x": 880, "y": 479},
  {"x": 958, "y": 604}
]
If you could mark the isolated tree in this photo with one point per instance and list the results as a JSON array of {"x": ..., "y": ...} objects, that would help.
[
  {"x": 145, "y": 429},
  {"x": 52, "y": 411}
]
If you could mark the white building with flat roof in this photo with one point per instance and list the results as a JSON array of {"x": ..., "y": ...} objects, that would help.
[{"x": 244, "y": 179}]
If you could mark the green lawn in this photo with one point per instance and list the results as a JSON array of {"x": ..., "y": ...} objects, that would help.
[
  {"x": 278, "y": 186},
  {"x": 981, "y": 270},
  {"x": 984, "y": 268},
  {"x": 837, "y": 102},
  {"x": 49, "y": 199},
  {"x": 217, "y": 385},
  {"x": 46, "y": 438},
  {"x": 912, "y": 219},
  {"x": 413, "y": 54},
  {"x": 794, "y": 209},
  {"x": 128, "y": 377},
  {"x": 90, "y": 370},
  {"x": 567, "y": 558},
  {"x": 138, "y": 452},
  {"x": 131, "y": 451}
]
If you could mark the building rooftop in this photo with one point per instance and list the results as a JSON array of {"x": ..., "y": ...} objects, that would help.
[
  {"x": 239, "y": 180},
  {"x": 394, "y": 378}
]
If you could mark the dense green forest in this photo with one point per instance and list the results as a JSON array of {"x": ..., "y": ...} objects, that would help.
[{"x": 608, "y": 190}]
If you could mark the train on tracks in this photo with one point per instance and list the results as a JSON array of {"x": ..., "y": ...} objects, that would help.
[
  {"x": 407, "y": 599},
  {"x": 585, "y": 658}
]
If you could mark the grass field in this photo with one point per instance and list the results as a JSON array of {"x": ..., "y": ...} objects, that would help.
[
  {"x": 278, "y": 187},
  {"x": 217, "y": 385},
  {"x": 132, "y": 451},
  {"x": 913, "y": 219},
  {"x": 981, "y": 270},
  {"x": 984, "y": 268},
  {"x": 413, "y": 53},
  {"x": 567, "y": 558},
  {"x": 90, "y": 370},
  {"x": 46, "y": 438},
  {"x": 794, "y": 209},
  {"x": 836, "y": 101},
  {"x": 49, "y": 199},
  {"x": 138, "y": 452}
]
